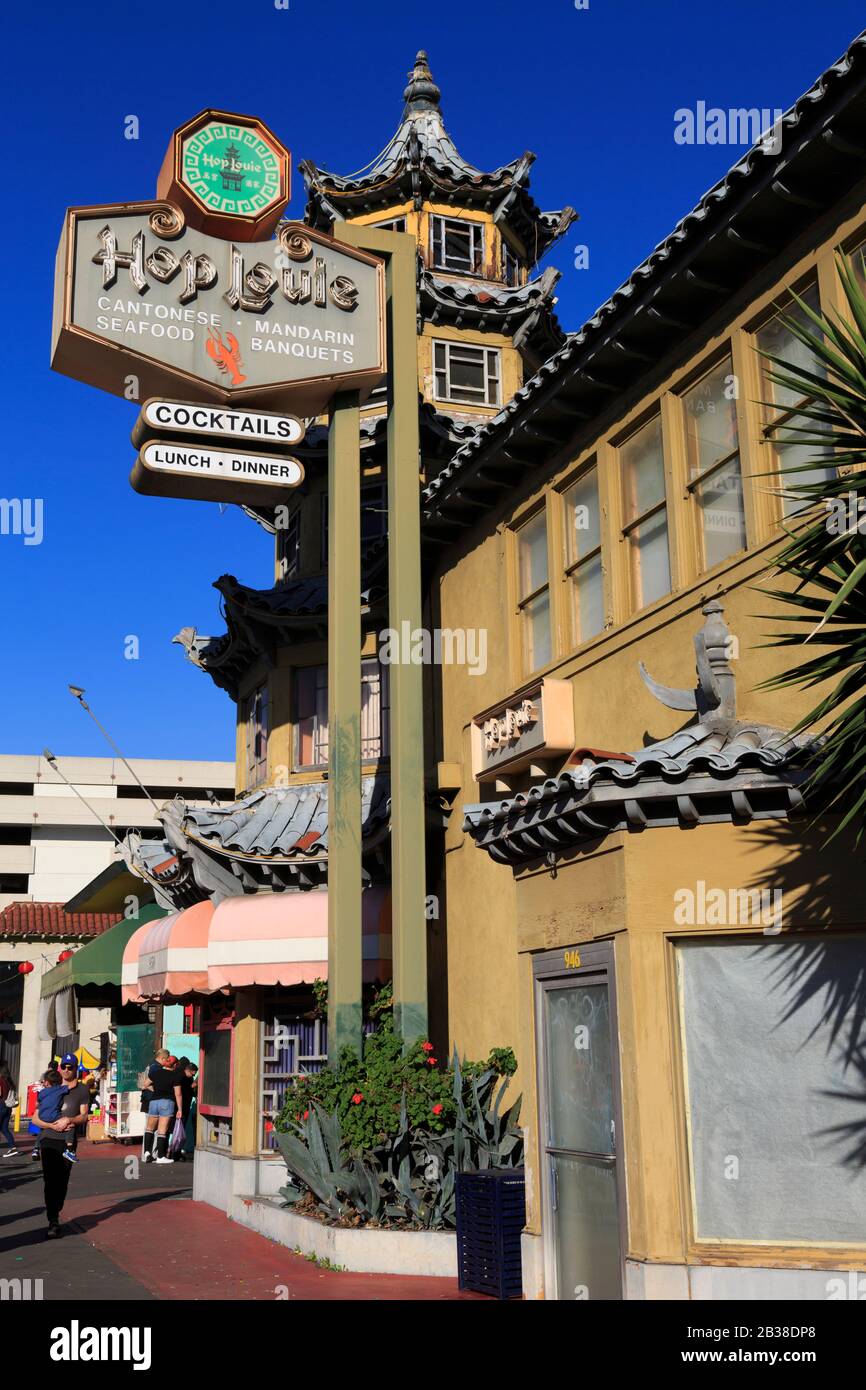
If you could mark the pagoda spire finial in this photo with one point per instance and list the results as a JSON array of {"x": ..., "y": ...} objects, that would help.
[{"x": 422, "y": 94}]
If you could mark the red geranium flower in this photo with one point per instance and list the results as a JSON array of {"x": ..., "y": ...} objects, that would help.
[
  {"x": 437, "y": 1109},
  {"x": 427, "y": 1047},
  {"x": 357, "y": 1098},
  {"x": 306, "y": 1114},
  {"x": 431, "y": 1061}
]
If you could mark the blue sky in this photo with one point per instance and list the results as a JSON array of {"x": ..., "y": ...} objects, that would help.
[{"x": 593, "y": 92}]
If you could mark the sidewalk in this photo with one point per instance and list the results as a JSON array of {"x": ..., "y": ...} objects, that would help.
[{"x": 141, "y": 1237}]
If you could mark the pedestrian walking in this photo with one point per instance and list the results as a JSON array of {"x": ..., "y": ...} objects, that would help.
[
  {"x": 166, "y": 1101},
  {"x": 186, "y": 1070},
  {"x": 8, "y": 1101},
  {"x": 60, "y": 1136}
]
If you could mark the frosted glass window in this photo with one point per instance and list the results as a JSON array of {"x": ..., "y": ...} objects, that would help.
[
  {"x": 583, "y": 566},
  {"x": 712, "y": 446},
  {"x": 781, "y": 402},
  {"x": 533, "y": 600},
  {"x": 774, "y": 1042},
  {"x": 646, "y": 528}
]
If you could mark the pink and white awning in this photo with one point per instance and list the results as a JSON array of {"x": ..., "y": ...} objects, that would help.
[
  {"x": 260, "y": 939},
  {"x": 282, "y": 939}
]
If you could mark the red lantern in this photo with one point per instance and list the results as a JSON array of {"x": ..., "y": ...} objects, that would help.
[
  {"x": 64, "y": 955},
  {"x": 25, "y": 967}
]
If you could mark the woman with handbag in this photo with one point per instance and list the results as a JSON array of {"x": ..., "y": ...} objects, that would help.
[{"x": 8, "y": 1101}]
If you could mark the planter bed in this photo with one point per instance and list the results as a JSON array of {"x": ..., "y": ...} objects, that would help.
[{"x": 366, "y": 1251}]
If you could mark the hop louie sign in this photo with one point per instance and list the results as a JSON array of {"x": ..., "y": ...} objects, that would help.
[
  {"x": 285, "y": 322},
  {"x": 193, "y": 296}
]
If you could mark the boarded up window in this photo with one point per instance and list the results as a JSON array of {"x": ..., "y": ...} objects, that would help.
[{"x": 774, "y": 1089}]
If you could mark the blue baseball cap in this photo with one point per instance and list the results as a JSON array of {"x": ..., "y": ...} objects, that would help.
[{"x": 70, "y": 1060}]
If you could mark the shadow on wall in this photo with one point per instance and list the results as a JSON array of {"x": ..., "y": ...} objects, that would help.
[{"x": 821, "y": 973}]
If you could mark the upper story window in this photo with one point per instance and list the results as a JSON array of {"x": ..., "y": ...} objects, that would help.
[
  {"x": 466, "y": 374},
  {"x": 533, "y": 593},
  {"x": 311, "y": 714},
  {"x": 374, "y": 514},
  {"x": 583, "y": 572},
  {"x": 857, "y": 258},
  {"x": 255, "y": 717},
  {"x": 393, "y": 224},
  {"x": 289, "y": 546},
  {"x": 510, "y": 265},
  {"x": 713, "y": 454},
  {"x": 782, "y": 403},
  {"x": 645, "y": 513},
  {"x": 457, "y": 245}
]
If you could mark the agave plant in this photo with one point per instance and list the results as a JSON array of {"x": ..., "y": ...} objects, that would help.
[
  {"x": 409, "y": 1177},
  {"x": 825, "y": 554}
]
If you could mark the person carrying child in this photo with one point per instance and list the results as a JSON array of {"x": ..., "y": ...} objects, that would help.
[{"x": 59, "y": 1138}]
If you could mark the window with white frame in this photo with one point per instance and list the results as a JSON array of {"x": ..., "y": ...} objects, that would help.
[
  {"x": 645, "y": 513},
  {"x": 533, "y": 593},
  {"x": 713, "y": 456},
  {"x": 466, "y": 374},
  {"x": 255, "y": 715},
  {"x": 510, "y": 265},
  {"x": 311, "y": 714},
  {"x": 392, "y": 224},
  {"x": 781, "y": 403},
  {"x": 457, "y": 245},
  {"x": 289, "y": 546},
  {"x": 583, "y": 571}
]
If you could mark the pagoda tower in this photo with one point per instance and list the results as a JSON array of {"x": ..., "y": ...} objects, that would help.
[{"x": 486, "y": 319}]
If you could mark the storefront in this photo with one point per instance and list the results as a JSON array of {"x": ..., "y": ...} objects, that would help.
[{"x": 248, "y": 967}]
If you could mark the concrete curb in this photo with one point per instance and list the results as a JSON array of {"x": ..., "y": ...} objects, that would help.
[{"x": 426, "y": 1253}]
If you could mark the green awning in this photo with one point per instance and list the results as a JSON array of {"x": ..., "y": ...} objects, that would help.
[{"x": 100, "y": 961}]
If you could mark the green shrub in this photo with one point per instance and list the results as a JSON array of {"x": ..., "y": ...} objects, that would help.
[{"x": 380, "y": 1137}]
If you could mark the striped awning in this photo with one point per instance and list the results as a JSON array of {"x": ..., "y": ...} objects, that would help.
[
  {"x": 282, "y": 939},
  {"x": 173, "y": 954}
]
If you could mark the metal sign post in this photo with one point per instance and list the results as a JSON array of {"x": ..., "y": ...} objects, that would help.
[
  {"x": 345, "y": 1023},
  {"x": 409, "y": 929}
]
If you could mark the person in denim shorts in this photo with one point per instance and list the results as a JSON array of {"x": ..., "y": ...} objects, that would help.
[{"x": 165, "y": 1103}]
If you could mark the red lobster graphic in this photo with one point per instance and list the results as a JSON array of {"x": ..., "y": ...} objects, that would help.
[{"x": 226, "y": 353}]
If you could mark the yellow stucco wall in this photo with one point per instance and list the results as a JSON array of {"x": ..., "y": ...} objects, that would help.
[{"x": 623, "y": 888}]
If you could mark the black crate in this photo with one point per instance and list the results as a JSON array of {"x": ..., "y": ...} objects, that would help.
[{"x": 491, "y": 1212}]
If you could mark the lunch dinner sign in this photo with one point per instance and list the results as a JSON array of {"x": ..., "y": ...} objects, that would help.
[{"x": 174, "y": 297}]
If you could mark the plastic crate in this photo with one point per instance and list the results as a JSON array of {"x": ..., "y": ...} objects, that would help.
[{"x": 491, "y": 1212}]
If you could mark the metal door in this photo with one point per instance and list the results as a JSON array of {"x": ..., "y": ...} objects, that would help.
[{"x": 579, "y": 1109}]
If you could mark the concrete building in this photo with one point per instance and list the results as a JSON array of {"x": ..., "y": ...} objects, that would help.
[{"x": 51, "y": 847}]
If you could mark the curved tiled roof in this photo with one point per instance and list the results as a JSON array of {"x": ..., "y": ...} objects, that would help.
[
  {"x": 799, "y": 127},
  {"x": 422, "y": 159},
  {"x": 255, "y": 619},
  {"x": 495, "y": 308},
  {"x": 49, "y": 919},
  {"x": 716, "y": 768},
  {"x": 273, "y": 838}
]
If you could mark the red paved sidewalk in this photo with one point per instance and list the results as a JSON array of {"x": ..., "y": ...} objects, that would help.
[{"x": 178, "y": 1248}]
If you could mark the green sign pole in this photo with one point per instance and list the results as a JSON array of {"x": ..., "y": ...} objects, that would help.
[
  {"x": 344, "y": 726},
  {"x": 404, "y": 582}
]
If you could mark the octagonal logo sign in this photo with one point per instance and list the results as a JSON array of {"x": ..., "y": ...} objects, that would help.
[{"x": 228, "y": 173}]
